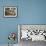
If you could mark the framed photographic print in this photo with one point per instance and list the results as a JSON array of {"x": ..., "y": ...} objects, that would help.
[{"x": 10, "y": 11}]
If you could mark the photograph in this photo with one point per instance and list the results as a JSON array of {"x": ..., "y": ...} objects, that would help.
[{"x": 10, "y": 11}]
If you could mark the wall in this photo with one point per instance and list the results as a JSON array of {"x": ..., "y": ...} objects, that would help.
[
  {"x": 7, "y": 25},
  {"x": 29, "y": 12}
]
